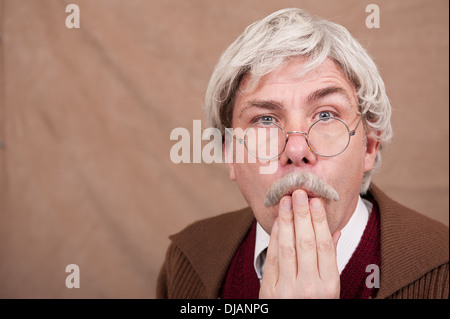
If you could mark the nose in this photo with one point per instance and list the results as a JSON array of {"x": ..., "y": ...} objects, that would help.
[{"x": 297, "y": 151}]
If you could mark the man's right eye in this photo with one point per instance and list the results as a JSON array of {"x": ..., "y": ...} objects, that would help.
[{"x": 264, "y": 118}]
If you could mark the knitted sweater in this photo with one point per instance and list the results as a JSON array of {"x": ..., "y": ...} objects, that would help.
[{"x": 414, "y": 254}]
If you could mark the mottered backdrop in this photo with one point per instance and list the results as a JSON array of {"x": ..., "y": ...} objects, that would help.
[{"x": 86, "y": 115}]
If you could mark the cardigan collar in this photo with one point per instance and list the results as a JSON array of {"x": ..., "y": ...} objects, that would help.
[
  {"x": 211, "y": 244},
  {"x": 411, "y": 244}
]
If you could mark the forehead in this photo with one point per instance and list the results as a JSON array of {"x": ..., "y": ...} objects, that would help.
[{"x": 290, "y": 85}]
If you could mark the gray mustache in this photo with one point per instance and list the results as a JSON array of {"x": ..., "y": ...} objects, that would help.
[{"x": 305, "y": 180}]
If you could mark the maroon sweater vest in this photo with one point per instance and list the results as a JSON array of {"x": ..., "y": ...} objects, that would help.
[{"x": 242, "y": 282}]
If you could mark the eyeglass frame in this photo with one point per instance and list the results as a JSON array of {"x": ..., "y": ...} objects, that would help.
[{"x": 350, "y": 133}]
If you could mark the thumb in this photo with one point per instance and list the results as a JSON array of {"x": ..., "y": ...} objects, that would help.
[{"x": 336, "y": 236}]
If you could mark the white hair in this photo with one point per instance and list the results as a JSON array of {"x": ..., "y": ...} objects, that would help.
[{"x": 267, "y": 44}]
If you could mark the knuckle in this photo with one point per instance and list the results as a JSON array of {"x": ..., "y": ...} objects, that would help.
[
  {"x": 287, "y": 252},
  {"x": 319, "y": 217},
  {"x": 302, "y": 213},
  {"x": 271, "y": 260},
  {"x": 326, "y": 247},
  {"x": 286, "y": 217},
  {"x": 332, "y": 290},
  {"x": 316, "y": 290},
  {"x": 308, "y": 290},
  {"x": 265, "y": 292},
  {"x": 307, "y": 244}
]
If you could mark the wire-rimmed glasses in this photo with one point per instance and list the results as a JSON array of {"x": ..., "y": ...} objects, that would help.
[{"x": 326, "y": 137}]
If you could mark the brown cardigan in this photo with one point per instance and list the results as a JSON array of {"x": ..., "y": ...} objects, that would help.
[{"x": 414, "y": 254}]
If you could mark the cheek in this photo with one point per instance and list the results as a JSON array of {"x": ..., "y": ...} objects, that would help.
[
  {"x": 254, "y": 187},
  {"x": 252, "y": 184},
  {"x": 348, "y": 169},
  {"x": 355, "y": 166},
  {"x": 247, "y": 176}
]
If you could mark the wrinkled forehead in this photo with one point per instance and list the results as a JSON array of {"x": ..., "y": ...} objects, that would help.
[{"x": 293, "y": 78}]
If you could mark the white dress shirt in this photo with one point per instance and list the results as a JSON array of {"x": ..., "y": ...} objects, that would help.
[{"x": 350, "y": 236}]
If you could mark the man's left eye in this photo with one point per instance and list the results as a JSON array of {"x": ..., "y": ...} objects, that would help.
[{"x": 324, "y": 115}]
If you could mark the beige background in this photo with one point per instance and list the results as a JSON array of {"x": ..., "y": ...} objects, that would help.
[{"x": 86, "y": 115}]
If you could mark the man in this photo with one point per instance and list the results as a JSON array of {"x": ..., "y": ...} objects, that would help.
[{"x": 307, "y": 101}]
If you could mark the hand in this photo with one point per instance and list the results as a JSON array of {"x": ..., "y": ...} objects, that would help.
[{"x": 301, "y": 257}]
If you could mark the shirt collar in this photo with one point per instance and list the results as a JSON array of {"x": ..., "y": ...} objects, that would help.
[
  {"x": 261, "y": 244},
  {"x": 350, "y": 236}
]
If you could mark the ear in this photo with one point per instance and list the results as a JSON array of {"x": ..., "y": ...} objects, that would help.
[
  {"x": 372, "y": 146},
  {"x": 229, "y": 160}
]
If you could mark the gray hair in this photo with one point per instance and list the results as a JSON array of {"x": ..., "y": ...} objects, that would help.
[
  {"x": 290, "y": 182},
  {"x": 269, "y": 43}
]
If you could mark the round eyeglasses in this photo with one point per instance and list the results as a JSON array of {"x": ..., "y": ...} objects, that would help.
[{"x": 326, "y": 137}]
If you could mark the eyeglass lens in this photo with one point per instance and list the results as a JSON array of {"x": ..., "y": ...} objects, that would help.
[{"x": 326, "y": 137}]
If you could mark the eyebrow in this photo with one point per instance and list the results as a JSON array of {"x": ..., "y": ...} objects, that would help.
[
  {"x": 312, "y": 97},
  {"x": 262, "y": 104},
  {"x": 321, "y": 93}
]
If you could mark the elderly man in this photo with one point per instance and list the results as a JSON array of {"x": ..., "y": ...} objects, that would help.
[{"x": 305, "y": 98}]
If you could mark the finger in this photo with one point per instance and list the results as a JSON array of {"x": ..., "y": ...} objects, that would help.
[
  {"x": 336, "y": 236},
  {"x": 304, "y": 234},
  {"x": 286, "y": 242},
  {"x": 270, "y": 276},
  {"x": 326, "y": 249}
]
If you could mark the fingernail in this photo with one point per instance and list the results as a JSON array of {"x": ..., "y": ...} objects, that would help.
[
  {"x": 286, "y": 203},
  {"x": 315, "y": 204},
  {"x": 301, "y": 197}
]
